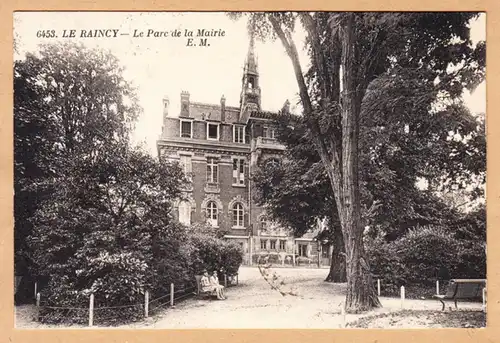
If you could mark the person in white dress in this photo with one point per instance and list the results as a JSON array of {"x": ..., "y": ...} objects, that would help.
[{"x": 219, "y": 289}]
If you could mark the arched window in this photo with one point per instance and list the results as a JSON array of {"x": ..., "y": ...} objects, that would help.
[
  {"x": 251, "y": 83},
  {"x": 212, "y": 213},
  {"x": 238, "y": 215}
]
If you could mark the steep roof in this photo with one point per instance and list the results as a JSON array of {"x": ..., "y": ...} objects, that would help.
[
  {"x": 263, "y": 115},
  {"x": 212, "y": 112}
]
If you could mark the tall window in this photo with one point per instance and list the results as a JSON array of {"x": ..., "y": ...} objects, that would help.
[
  {"x": 212, "y": 213},
  {"x": 271, "y": 133},
  {"x": 185, "y": 162},
  {"x": 238, "y": 171},
  {"x": 186, "y": 129},
  {"x": 212, "y": 170},
  {"x": 238, "y": 134},
  {"x": 213, "y": 131},
  {"x": 238, "y": 215},
  {"x": 273, "y": 244},
  {"x": 303, "y": 250},
  {"x": 282, "y": 245},
  {"x": 185, "y": 213},
  {"x": 268, "y": 132},
  {"x": 263, "y": 244}
]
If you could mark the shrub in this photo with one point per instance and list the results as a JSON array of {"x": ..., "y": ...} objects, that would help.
[
  {"x": 60, "y": 292},
  {"x": 425, "y": 251},
  {"x": 171, "y": 256},
  {"x": 213, "y": 253},
  {"x": 422, "y": 256},
  {"x": 108, "y": 230},
  {"x": 231, "y": 257},
  {"x": 385, "y": 264}
]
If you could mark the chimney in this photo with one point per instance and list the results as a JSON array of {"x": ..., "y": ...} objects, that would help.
[
  {"x": 222, "y": 109},
  {"x": 166, "y": 103},
  {"x": 184, "y": 104}
]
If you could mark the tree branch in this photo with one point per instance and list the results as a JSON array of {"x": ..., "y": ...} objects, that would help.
[{"x": 332, "y": 165}]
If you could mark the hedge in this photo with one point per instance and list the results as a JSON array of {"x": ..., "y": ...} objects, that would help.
[{"x": 421, "y": 257}]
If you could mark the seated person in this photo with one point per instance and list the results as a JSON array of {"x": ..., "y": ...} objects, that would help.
[
  {"x": 205, "y": 283},
  {"x": 219, "y": 289}
]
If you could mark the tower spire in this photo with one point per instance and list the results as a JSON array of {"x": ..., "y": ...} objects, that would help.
[
  {"x": 251, "y": 60},
  {"x": 250, "y": 90}
]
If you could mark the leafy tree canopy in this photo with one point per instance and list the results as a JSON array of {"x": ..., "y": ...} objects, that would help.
[
  {"x": 413, "y": 123},
  {"x": 70, "y": 103}
]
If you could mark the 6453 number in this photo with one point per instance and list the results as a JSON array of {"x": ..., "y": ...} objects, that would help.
[{"x": 46, "y": 33}]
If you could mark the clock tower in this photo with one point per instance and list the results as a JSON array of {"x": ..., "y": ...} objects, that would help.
[{"x": 250, "y": 89}]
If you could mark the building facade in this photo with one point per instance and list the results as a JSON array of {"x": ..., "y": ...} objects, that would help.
[{"x": 219, "y": 147}]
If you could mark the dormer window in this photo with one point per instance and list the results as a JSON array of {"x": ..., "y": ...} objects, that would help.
[
  {"x": 213, "y": 131},
  {"x": 238, "y": 134},
  {"x": 272, "y": 134},
  {"x": 268, "y": 133},
  {"x": 186, "y": 129}
]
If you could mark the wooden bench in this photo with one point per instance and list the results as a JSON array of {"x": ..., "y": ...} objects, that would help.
[
  {"x": 462, "y": 289},
  {"x": 200, "y": 292}
]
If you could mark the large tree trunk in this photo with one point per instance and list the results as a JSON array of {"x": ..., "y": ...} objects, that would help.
[
  {"x": 337, "y": 272},
  {"x": 361, "y": 294},
  {"x": 339, "y": 156},
  {"x": 337, "y": 265}
]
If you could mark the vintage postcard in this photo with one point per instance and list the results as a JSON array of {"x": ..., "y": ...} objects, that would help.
[{"x": 249, "y": 170}]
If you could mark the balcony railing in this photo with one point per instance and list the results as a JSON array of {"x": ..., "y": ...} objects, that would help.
[{"x": 269, "y": 143}]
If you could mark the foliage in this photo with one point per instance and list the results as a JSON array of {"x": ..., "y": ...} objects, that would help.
[
  {"x": 93, "y": 214},
  {"x": 70, "y": 102},
  {"x": 407, "y": 75},
  {"x": 104, "y": 227},
  {"x": 424, "y": 255},
  {"x": 396, "y": 149},
  {"x": 214, "y": 254},
  {"x": 206, "y": 229},
  {"x": 108, "y": 230},
  {"x": 294, "y": 195}
]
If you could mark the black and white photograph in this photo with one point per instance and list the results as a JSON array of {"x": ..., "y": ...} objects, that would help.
[{"x": 249, "y": 170}]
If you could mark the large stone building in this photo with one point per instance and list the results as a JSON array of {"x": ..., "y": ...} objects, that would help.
[{"x": 219, "y": 146}]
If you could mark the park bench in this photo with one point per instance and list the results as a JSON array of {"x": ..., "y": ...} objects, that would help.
[
  {"x": 462, "y": 289},
  {"x": 199, "y": 292}
]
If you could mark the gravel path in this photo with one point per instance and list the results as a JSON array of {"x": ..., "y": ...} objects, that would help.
[{"x": 253, "y": 304}]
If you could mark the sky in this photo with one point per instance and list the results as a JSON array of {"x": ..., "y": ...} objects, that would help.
[{"x": 164, "y": 66}]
